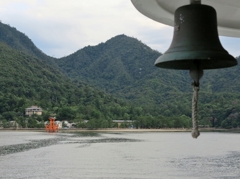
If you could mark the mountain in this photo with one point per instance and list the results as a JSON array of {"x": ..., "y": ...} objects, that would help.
[
  {"x": 30, "y": 77},
  {"x": 120, "y": 66},
  {"x": 124, "y": 67},
  {"x": 20, "y": 42},
  {"x": 26, "y": 80}
]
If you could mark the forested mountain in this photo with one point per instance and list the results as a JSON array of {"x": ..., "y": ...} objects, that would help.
[
  {"x": 124, "y": 66},
  {"x": 20, "y": 42},
  {"x": 26, "y": 81}
]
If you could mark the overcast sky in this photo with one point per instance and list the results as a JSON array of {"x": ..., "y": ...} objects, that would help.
[{"x": 61, "y": 27}]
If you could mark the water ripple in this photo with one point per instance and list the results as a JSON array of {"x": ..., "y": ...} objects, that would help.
[
  {"x": 34, "y": 144},
  {"x": 105, "y": 140},
  {"x": 219, "y": 167},
  {"x": 61, "y": 139}
]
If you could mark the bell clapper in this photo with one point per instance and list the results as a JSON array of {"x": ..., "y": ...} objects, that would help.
[{"x": 196, "y": 72}]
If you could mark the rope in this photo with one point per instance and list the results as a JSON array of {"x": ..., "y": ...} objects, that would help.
[{"x": 195, "y": 131}]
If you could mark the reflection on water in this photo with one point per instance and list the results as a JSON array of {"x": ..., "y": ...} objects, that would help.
[{"x": 119, "y": 155}]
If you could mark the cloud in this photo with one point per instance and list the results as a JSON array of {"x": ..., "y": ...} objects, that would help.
[
  {"x": 60, "y": 27},
  {"x": 231, "y": 45}
]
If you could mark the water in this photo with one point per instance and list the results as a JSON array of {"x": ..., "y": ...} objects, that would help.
[{"x": 147, "y": 155}]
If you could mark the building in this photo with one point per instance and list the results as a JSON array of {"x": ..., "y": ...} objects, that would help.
[
  {"x": 33, "y": 110},
  {"x": 59, "y": 124},
  {"x": 120, "y": 122}
]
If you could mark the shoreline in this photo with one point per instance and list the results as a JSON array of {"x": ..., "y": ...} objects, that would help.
[{"x": 124, "y": 130}]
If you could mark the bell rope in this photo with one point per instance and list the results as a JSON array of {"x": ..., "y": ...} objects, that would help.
[{"x": 195, "y": 131}]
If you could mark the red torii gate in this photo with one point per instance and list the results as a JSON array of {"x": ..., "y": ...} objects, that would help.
[{"x": 51, "y": 127}]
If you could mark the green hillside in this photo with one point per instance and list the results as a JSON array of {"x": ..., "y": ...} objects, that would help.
[
  {"x": 119, "y": 64},
  {"x": 26, "y": 81},
  {"x": 124, "y": 67},
  {"x": 20, "y": 42}
]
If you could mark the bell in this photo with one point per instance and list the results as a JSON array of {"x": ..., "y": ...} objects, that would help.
[{"x": 195, "y": 41}]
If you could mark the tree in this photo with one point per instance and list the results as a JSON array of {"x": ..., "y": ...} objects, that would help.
[
  {"x": 224, "y": 124},
  {"x": 66, "y": 113}
]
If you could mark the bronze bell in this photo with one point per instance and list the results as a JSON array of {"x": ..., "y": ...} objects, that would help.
[{"x": 195, "y": 41}]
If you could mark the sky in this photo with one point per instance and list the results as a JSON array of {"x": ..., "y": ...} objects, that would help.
[{"x": 60, "y": 28}]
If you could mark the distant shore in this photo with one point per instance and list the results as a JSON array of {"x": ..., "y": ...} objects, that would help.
[{"x": 126, "y": 130}]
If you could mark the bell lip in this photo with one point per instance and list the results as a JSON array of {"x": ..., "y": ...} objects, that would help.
[{"x": 184, "y": 60}]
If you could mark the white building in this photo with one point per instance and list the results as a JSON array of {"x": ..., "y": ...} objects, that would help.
[{"x": 33, "y": 110}]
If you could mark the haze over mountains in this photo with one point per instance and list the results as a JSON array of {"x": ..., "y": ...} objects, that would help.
[{"x": 123, "y": 67}]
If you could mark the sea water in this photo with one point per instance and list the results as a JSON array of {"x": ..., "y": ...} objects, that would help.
[{"x": 128, "y": 155}]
